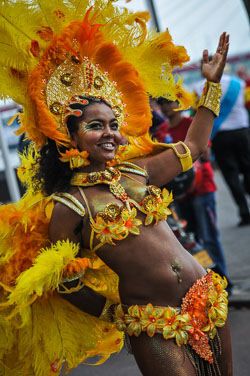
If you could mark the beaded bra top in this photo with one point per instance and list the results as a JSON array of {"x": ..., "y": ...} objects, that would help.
[{"x": 116, "y": 222}]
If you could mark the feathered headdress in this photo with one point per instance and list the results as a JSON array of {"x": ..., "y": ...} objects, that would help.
[{"x": 52, "y": 52}]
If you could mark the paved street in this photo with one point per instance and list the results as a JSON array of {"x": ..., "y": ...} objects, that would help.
[{"x": 236, "y": 242}]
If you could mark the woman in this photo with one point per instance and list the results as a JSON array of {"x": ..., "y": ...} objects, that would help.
[
  {"x": 93, "y": 228},
  {"x": 174, "y": 271}
]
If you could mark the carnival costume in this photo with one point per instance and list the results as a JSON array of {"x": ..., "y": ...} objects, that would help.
[{"x": 55, "y": 54}]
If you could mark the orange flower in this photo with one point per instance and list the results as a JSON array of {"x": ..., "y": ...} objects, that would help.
[
  {"x": 107, "y": 231},
  {"x": 76, "y": 158},
  {"x": 129, "y": 223},
  {"x": 157, "y": 208},
  {"x": 151, "y": 318},
  {"x": 176, "y": 326}
]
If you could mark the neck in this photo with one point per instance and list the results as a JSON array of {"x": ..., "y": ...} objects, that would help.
[{"x": 93, "y": 167}]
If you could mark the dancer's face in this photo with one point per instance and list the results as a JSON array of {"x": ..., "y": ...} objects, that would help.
[{"x": 98, "y": 133}]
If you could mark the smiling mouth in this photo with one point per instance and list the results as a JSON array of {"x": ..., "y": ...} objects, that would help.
[{"x": 109, "y": 146}]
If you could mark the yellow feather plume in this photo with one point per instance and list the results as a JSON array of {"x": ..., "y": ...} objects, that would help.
[
  {"x": 25, "y": 40},
  {"x": 43, "y": 276}
]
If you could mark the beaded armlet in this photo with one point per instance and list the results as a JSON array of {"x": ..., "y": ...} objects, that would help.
[
  {"x": 131, "y": 167},
  {"x": 68, "y": 200}
]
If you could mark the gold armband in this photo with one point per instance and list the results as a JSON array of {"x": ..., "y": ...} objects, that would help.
[
  {"x": 210, "y": 97},
  {"x": 63, "y": 289},
  {"x": 185, "y": 159}
]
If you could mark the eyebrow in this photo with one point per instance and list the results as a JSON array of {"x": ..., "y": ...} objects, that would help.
[{"x": 101, "y": 120}]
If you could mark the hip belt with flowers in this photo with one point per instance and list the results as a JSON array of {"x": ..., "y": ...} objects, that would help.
[{"x": 203, "y": 308}]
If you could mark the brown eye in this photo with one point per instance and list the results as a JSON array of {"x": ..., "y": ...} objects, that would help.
[
  {"x": 95, "y": 126},
  {"x": 114, "y": 126}
]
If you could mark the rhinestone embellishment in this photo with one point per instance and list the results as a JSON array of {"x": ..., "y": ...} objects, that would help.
[{"x": 56, "y": 108}]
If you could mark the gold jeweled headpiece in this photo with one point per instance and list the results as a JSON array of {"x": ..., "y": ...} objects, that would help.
[
  {"x": 56, "y": 50},
  {"x": 82, "y": 80}
]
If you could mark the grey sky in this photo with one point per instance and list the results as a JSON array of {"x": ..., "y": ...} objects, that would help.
[{"x": 197, "y": 24}]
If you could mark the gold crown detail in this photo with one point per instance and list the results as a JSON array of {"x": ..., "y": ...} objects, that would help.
[
  {"x": 43, "y": 64},
  {"x": 74, "y": 79}
]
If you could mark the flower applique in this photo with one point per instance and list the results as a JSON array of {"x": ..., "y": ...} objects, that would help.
[
  {"x": 204, "y": 308},
  {"x": 129, "y": 223},
  {"x": 75, "y": 157},
  {"x": 156, "y": 205},
  {"x": 107, "y": 231}
]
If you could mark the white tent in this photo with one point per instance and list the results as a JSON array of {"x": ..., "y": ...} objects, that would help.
[{"x": 197, "y": 24}]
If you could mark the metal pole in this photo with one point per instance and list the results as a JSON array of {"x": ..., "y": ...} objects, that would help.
[
  {"x": 9, "y": 172},
  {"x": 151, "y": 7}
]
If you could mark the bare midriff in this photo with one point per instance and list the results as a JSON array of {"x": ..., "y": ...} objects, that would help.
[{"x": 144, "y": 266}]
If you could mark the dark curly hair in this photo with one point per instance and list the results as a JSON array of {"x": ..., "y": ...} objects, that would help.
[{"x": 54, "y": 175}]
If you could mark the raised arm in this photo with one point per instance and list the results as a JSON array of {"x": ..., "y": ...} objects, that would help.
[
  {"x": 165, "y": 166},
  {"x": 200, "y": 130}
]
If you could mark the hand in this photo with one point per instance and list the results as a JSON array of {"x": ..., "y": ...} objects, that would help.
[{"x": 212, "y": 70}]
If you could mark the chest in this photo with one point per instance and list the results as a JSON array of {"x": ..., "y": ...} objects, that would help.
[{"x": 102, "y": 198}]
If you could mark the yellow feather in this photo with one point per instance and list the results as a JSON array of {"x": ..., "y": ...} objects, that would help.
[{"x": 43, "y": 276}]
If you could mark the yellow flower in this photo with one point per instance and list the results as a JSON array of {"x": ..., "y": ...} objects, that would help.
[
  {"x": 129, "y": 223},
  {"x": 157, "y": 208},
  {"x": 119, "y": 318},
  {"x": 75, "y": 157},
  {"x": 176, "y": 326},
  {"x": 132, "y": 320},
  {"x": 151, "y": 318},
  {"x": 107, "y": 231}
]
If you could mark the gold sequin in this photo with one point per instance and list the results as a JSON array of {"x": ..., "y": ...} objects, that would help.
[
  {"x": 148, "y": 202},
  {"x": 56, "y": 108},
  {"x": 154, "y": 191},
  {"x": 67, "y": 79},
  {"x": 98, "y": 82},
  {"x": 117, "y": 111},
  {"x": 112, "y": 210},
  {"x": 92, "y": 177}
]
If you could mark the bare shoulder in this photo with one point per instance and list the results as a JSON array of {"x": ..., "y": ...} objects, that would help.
[{"x": 63, "y": 222}]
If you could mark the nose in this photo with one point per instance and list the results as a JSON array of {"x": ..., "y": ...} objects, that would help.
[{"x": 108, "y": 132}]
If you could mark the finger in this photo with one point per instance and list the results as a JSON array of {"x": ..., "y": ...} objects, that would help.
[
  {"x": 205, "y": 59},
  {"x": 226, "y": 46},
  {"x": 221, "y": 43}
]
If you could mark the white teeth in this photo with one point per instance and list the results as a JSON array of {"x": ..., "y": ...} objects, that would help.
[{"x": 107, "y": 145}]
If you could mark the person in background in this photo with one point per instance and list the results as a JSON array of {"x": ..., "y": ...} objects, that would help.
[
  {"x": 242, "y": 73},
  {"x": 198, "y": 208},
  {"x": 157, "y": 116},
  {"x": 231, "y": 142}
]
